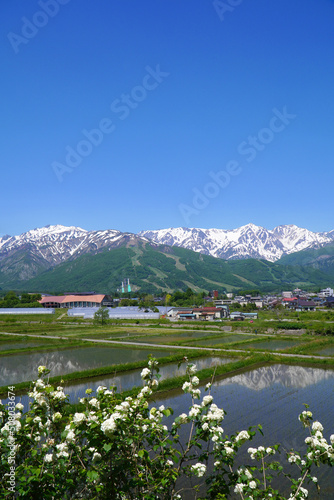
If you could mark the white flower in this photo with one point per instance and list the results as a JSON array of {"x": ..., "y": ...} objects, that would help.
[
  {"x": 207, "y": 400},
  {"x": 96, "y": 456},
  {"x": 198, "y": 469},
  {"x": 252, "y": 452},
  {"x": 19, "y": 406},
  {"x": 314, "y": 479},
  {"x": 192, "y": 369},
  {"x": 316, "y": 426},
  {"x": 252, "y": 485},
  {"x": 108, "y": 426},
  {"x": 39, "y": 383},
  {"x": 195, "y": 381},
  {"x": 56, "y": 416},
  {"x": 101, "y": 388},
  {"x": 186, "y": 386},
  {"x": 48, "y": 457},
  {"x": 58, "y": 395},
  {"x": 304, "y": 491},
  {"x": 145, "y": 373},
  {"x": 70, "y": 436},
  {"x": 183, "y": 418},
  {"x": 332, "y": 438},
  {"x": 239, "y": 488},
  {"x": 195, "y": 410},
  {"x": 169, "y": 463},
  {"x": 41, "y": 369},
  {"x": 61, "y": 447},
  {"x": 94, "y": 402},
  {"x": 242, "y": 436},
  {"x": 292, "y": 458},
  {"x": 78, "y": 418},
  {"x": 196, "y": 393}
]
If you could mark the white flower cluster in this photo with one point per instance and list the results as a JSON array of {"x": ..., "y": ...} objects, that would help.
[
  {"x": 198, "y": 469},
  {"x": 146, "y": 372},
  {"x": 108, "y": 426},
  {"x": 302, "y": 493},
  {"x": 319, "y": 449},
  {"x": 242, "y": 437},
  {"x": 260, "y": 452}
]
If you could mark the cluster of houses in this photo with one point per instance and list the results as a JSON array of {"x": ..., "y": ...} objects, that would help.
[{"x": 295, "y": 300}]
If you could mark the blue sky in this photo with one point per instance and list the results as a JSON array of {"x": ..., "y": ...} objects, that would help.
[{"x": 163, "y": 113}]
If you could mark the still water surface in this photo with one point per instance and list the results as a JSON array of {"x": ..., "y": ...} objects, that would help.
[
  {"x": 273, "y": 396},
  {"x": 23, "y": 367}
]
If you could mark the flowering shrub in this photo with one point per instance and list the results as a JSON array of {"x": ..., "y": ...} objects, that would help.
[{"x": 118, "y": 447}]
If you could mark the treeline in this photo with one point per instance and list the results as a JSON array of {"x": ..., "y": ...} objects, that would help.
[
  {"x": 25, "y": 300},
  {"x": 189, "y": 298}
]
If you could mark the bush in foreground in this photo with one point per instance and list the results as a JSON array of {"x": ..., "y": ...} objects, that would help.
[{"x": 120, "y": 448}]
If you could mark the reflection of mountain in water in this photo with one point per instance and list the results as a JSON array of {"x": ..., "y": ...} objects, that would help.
[
  {"x": 14, "y": 369},
  {"x": 23, "y": 367},
  {"x": 125, "y": 381},
  {"x": 287, "y": 376}
]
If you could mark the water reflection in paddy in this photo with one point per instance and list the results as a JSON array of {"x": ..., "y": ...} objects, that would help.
[
  {"x": 273, "y": 345},
  {"x": 226, "y": 339},
  {"x": 328, "y": 351},
  {"x": 273, "y": 396},
  {"x": 131, "y": 379},
  {"x": 23, "y": 367},
  {"x": 20, "y": 345}
]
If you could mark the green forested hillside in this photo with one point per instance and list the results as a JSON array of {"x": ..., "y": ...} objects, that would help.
[
  {"x": 321, "y": 259},
  {"x": 153, "y": 268}
]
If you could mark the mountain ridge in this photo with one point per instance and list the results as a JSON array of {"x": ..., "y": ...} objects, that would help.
[
  {"x": 249, "y": 241},
  {"x": 31, "y": 259}
]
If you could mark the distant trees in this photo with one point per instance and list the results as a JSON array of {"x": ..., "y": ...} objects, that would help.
[
  {"x": 187, "y": 298},
  {"x": 26, "y": 300}
]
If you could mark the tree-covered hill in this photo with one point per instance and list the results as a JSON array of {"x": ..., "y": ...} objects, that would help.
[
  {"x": 152, "y": 268},
  {"x": 321, "y": 259}
]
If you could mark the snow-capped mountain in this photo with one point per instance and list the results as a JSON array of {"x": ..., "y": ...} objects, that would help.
[
  {"x": 25, "y": 256},
  {"x": 58, "y": 243},
  {"x": 249, "y": 241},
  {"x": 295, "y": 377},
  {"x": 30, "y": 253}
]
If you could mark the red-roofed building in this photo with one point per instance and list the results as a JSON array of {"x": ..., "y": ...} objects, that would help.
[{"x": 70, "y": 301}]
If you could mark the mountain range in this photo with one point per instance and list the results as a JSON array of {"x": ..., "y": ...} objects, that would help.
[
  {"x": 245, "y": 242},
  {"x": 59, "y": 257}
]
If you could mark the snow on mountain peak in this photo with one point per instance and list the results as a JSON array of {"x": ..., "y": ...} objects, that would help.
[
  {"x": 248, "y": 241},
  {"x": 57, "y": 243}
]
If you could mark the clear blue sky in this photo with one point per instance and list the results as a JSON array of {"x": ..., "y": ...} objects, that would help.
[{"x": 180, "y": 91}]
